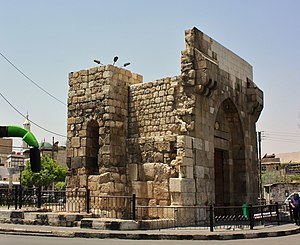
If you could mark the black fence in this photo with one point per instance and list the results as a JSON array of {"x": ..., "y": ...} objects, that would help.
[
  {"x": 8, "y": 197},
  {"x": 250, "y": 215},
  {"x": 158, "y": 217},
  {"x": 69, "y": 201},
  {"x": 150, "y": 217},
  {"x": 212, "y": 217}
]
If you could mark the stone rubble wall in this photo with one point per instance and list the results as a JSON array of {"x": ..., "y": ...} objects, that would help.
[
  {"x": 98, "y": 97},
  {"x": 155, "y": 149}
]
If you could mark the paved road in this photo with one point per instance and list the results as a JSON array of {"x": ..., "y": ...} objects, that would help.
[{"x": 32, "y": 240}]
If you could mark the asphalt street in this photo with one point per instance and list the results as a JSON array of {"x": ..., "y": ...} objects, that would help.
[{"x": 38, "y": 240}]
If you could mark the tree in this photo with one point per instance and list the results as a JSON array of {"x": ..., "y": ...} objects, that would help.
[{"x": 50, "y": 172}]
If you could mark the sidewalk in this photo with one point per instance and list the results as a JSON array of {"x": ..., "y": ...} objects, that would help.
[{"x": 164, "y": 234}]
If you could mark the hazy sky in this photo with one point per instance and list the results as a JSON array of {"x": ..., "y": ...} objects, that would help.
[{"x": 48, "y": 39}]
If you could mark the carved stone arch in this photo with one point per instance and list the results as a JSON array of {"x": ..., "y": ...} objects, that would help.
[{"x": 229, "y": 155}]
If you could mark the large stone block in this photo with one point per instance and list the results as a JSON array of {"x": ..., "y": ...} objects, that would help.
[
  {"x": 182, "y": 185},
  {"x": 197, "y": 144},
  {"x": 76, "y": 162},
  {"x": 82, "y": 152},
  {"x": 139, "y": 188},
  {"x": 187, "y": 161},
  {"x": 75, "y": 142},
  {"x": 132, "y": 172},
  {"x": 186, "y": 172},
  {"x": 188, "y": 142},
  {"x": 184, "y": 199},
  {"x": 149, "y": 171},
  {"x": 149, "y": 189},
  {"x": 188, "y": 153},
  {"x": 199, "y": 172},
  {"x": 83, "y": 181}
]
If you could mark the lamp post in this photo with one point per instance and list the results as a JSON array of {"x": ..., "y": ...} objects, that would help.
[
  {"x": 260, "y": 172},
  {"x": 21, "y": 168}
]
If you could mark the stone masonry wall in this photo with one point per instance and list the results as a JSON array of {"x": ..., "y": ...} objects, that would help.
[
  {"x": 155, "y": 149},
  {"x": 227, "y": 106},
  {"x": 97, "y": 129},
  {"x": 182, "y": 140}
]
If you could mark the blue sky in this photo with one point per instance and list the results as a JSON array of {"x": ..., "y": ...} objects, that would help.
[{"x": 49, "y": 39}]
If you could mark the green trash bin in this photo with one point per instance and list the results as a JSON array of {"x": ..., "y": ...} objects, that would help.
[{"x": 245, "y": 208}]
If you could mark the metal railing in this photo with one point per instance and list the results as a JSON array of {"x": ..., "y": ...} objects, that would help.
[
  {"x": 212, "y": 217},
  {"x": 158, "y": 217},
  {"x": 8, "y": 197},
  {"x": 104, "y": 206},
  {"x": 149, "y": 217},
  {"x": 120, "y": 207}
]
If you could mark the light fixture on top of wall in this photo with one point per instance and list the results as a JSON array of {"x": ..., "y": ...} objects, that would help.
[
  {"x": 115, "y": 60},
  {"x": 98, "y": 62},
  {"x": 126, "y": 64}
]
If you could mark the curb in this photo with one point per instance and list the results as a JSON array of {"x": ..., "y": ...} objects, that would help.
[{"x": 146, "y": 236}]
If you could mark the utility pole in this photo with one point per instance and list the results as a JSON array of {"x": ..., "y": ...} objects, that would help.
[
  {"x": 259, "y": 162},
  {"x": 52, "y": 151}
]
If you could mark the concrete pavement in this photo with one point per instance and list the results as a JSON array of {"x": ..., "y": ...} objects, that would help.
[
  {"x": 40, "y": 223},
  {"x": 163, "y": 234}
]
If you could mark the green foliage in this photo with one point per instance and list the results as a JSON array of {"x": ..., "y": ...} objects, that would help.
[
  {"x": 270, "y": 178},
  {"x": 291, "y": 178},
  {"x": 50, "y": 172},
  {"x": 61, "y": 185},
  {"x": 284, "y": 164}
]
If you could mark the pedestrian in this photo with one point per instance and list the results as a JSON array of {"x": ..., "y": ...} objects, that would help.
[{"x": 295, "y": 205}]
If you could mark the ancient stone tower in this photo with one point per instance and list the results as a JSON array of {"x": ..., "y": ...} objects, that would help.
[{"x": 183, "y": 140}]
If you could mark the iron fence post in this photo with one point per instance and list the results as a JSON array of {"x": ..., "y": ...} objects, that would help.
[
  {"x": 20, "y": 197},
  {"x": 211, "y": 218},
  {"x": 39, "y": 197},
  {"x": 133, "y": 206},
  {"x": 270, "y": 210},
  {"x": 251, "y": 217},
  {"x": 87, "y": 199},
  {"x": 277, "y": 212},
  {"x": 16, "y": 197},
  {"x": 262, "y": 215}
]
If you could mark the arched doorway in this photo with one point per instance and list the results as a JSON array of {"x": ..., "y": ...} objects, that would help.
[
  {"x": 229, "y": 156},
  {"x": 92, "y": 147}
]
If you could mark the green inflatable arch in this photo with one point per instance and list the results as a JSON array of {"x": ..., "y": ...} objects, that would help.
[{"x": 28, "y": 137}]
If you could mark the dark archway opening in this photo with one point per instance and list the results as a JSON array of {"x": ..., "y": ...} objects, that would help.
[
  {"x": 92, "y": 147},
  {"x": 229, "y": 156}
]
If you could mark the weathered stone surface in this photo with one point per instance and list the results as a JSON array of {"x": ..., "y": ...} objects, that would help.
[
  {"x": 182, "y": 185},
  {"x": 132, "y": 171},
  {"x": 179, "y": 140},
  {"x": 139, "y": 188}
]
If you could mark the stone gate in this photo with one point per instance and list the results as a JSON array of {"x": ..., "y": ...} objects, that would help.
[{"x": 184, "y": 140}]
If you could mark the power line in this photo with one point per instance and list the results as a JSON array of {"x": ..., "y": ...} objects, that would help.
[
  {"x": 281, "y": 133},
  {"x": 281, "y": 140},
  {"x": 28, "y": 78},
  {"x": 281, "y": 136},
  {"x": 31, "y": 120}
]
